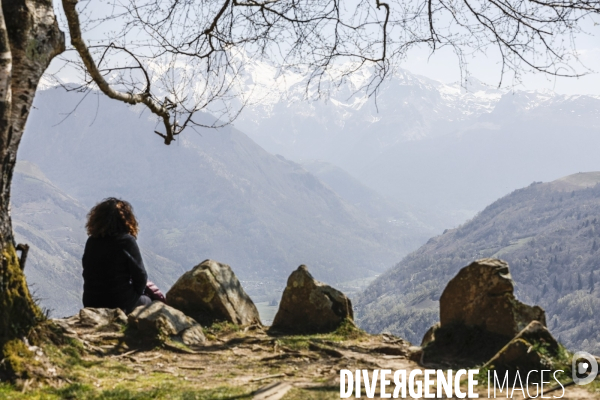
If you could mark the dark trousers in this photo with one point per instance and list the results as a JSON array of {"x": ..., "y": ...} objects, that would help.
[{"x": 142, "y": 301}]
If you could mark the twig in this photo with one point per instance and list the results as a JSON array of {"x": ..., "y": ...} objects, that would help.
[
  {"x": 138, "y": 360},
  {"x": 125, "y": 354},
  {"x": 267, "y": 377},
  {"x": 190, "y": 367}
]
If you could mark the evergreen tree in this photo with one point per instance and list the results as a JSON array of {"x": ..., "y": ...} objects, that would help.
[{"x": 579, "y": 282}]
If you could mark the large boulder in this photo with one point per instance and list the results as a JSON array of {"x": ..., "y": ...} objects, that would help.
[
  {"x": 310, "y": 306},
  {"x": 482, "y": 295},
  {"x": 479, "y": 315},
  {"x": 159, "y": 321},
  {"x": 211, "y": 292}
]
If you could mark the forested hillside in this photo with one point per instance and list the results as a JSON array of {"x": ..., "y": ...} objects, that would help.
[{"x": 550, "y": 235}]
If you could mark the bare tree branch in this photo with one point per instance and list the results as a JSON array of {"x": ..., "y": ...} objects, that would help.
[
  {"x": 193, "y": 53},
  {"x": 131, "y": 98}
]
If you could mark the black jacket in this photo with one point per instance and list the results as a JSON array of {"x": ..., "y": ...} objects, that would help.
[{"x": 113, "y": 272}]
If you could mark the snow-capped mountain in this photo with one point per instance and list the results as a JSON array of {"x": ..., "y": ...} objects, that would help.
[
  {"x": 406, "y": 107},
  {"x": 451, "y": 148}
]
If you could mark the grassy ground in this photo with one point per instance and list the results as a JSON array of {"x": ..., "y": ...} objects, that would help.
[{"x": 232, "y": 364}]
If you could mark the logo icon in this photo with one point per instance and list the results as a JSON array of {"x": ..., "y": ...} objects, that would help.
[{"x": 584, "y": 368}]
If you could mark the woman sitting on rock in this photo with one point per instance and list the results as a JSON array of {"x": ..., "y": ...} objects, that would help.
[{"x": 113, "y": 271}]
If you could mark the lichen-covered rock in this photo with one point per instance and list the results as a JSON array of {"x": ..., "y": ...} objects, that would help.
[
  {"x": 310, "y": 306},
  {"x": 516, "y": 356},
  {"x": 481, "y": 295},
  {"x": 533, "y": 349},
  {"x": 160, "y": 321},
  {"x": 193, "y": 335},
  {"x": 415, "y": 353},
  {"x": 538, "y": 334},
  {"x": 97, "y": 317},
  {"x": 211, "y": 292},
  {"x": 479, "y": 315},
  {"x": 430, "y": 335}
]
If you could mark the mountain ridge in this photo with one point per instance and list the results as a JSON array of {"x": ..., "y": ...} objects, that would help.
[
  {"x": 547, "y": 232},
  {"x": 430, "y": 145}
]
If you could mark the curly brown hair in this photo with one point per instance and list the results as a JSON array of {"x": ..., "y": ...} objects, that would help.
[{"x": 110, "y": 217}]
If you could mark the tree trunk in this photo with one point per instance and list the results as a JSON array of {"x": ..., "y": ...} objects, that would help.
[{"x": 29, "y": 39}]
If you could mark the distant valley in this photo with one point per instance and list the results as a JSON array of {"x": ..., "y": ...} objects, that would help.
[{"x": 212, "y": 194}]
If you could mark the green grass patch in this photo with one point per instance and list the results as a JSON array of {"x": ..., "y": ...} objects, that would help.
[
  {"x": 346, "y": 331},
  {"x": 297, "y": 343},
  {"x": 221, "y": 328},
  {"x": 86, "y": 392},
  {"x": 316, "y": 393},
  {"x": 69, "y": 356}
]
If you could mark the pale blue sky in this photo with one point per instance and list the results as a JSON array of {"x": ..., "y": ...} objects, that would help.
[{"x": 443, "y": 66}]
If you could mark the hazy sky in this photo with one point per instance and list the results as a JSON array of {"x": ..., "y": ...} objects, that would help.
[{"x": 443, "y": 66}]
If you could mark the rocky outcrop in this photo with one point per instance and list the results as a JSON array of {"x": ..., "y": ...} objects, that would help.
[
  {"x": 481, "y": 295},
  {"x": 516, "y": 356},
  {"x": 98, "y": 317},
  {"x": 479, "y": 315},
  {"x": 531, "y": 350},
  {"x": 211, "y": 292},
  {"x": 309, "y": 306},
  {"x": 159, "y": 321},
  {"x": 537, "y": 334},
  {"x": 430, "y": 335}
]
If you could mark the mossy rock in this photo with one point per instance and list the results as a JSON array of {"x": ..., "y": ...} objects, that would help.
[
  {"x": 309, "y": 306},
  {"x": 482, "y": 295},
  {"x": 158, "y": 323},
  {"x": 17, "y": 359},
  {"x": 461, "y": 346},
  {"x": 533, "y": 349},
  {"x": 18, "y": 312},
  {"x": 18, "y": 315}
]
